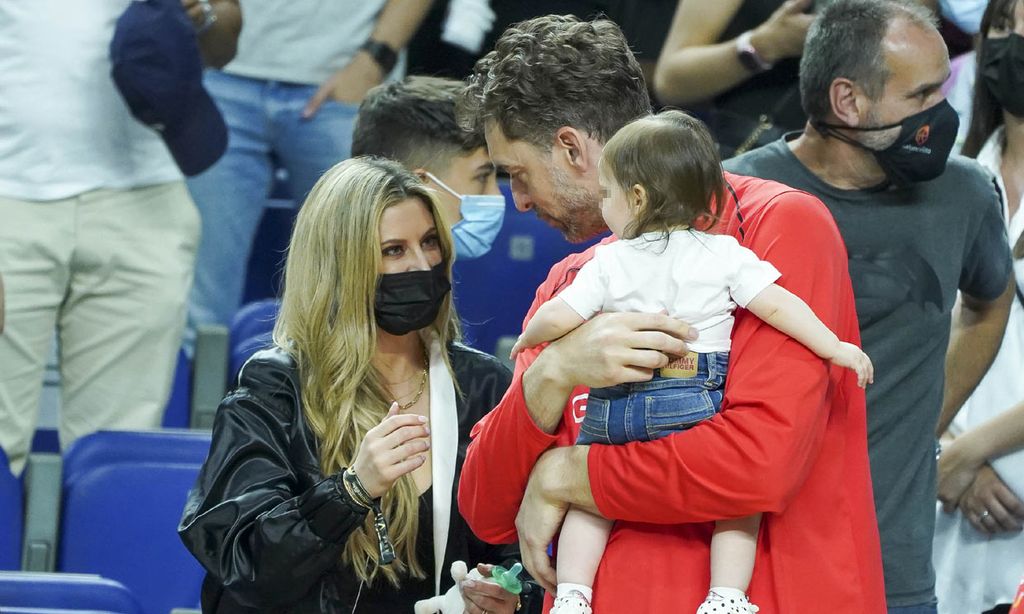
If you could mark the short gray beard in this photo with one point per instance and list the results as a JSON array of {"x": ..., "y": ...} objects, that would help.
[
  {"x": 880, "y": 139},
  {"x": 581, "y": 207}
]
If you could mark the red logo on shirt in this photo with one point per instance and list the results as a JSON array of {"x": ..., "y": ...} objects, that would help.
[
  {"x": 922, "y": 134},
  {"x": 579, "y": 407}
]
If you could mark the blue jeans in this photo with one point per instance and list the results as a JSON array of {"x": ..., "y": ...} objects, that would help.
[
  {"x": 650, "y": 410},
  {"x": 930, "y": 608},
  {"x": 264, "y": 119}
]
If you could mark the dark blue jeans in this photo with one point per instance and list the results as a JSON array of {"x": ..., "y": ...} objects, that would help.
[
  {"x": 650, "y": 410},
  {"x": 929, "y": 608}
]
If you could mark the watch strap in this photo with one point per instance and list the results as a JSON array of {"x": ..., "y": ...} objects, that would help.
[
  {"x": 382, "y": 54},
  {"x": 748, "y": 55}
]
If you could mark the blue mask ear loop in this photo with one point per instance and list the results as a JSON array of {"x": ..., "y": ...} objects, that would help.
[{"x": 444, "y": 186}]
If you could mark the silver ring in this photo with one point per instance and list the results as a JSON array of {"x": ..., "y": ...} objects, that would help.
[{"x": 984, "y": 514}]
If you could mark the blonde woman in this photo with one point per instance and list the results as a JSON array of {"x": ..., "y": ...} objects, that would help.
[{"x": 331, "y": 479}]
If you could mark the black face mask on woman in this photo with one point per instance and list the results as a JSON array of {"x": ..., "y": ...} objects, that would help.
[
  {"x": 1003, "y": 71},
  {"x": 410, "y": 301},
  {"x": 921, "y": 150}
]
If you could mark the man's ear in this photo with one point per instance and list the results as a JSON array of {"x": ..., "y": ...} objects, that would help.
[
  {"x": 421, "y": 173},
  {"x": 847, "y": 100},
  {"x": 576, "y": 148}
]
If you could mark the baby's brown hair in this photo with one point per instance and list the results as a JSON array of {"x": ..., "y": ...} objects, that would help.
[{"x": 671, "y": 156}]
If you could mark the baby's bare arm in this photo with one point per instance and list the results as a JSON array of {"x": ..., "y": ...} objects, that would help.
[{"x": 553, "y": 319}]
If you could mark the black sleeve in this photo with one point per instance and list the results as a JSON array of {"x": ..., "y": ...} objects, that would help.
[
  {"x": 248, "y": 520},
  {"x": 987, "y": 262}
]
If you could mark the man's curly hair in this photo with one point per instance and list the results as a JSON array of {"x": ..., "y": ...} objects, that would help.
[{"x": 555, "y": 71}]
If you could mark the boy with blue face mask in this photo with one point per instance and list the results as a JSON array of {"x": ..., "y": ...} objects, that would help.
[{"x": 413, "y": 122}]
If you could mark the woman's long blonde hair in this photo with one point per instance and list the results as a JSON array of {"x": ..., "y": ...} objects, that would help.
[{"x": 327, "y": 324}]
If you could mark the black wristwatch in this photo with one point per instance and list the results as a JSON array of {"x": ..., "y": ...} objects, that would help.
[{"x": 382, "y": 54}]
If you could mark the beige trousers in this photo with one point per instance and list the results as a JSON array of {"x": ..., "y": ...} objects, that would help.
[{"x": 110, "y": 272}]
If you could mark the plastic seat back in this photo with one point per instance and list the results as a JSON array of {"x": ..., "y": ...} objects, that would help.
[
  {"x": 179, "y": 405},
  {"x": 11, "y": 501},
  {"x": 123, "y": 496},
  {"x": 38, "y": 593}
]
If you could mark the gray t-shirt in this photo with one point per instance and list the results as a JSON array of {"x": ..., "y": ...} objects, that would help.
[{"x": 909, "y": 249}]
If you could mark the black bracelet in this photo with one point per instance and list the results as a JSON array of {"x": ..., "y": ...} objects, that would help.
[
  {"x": 382, "y": 54},
  {"x": 355, "y": 488},
  {"x": 380, "y": 523}
]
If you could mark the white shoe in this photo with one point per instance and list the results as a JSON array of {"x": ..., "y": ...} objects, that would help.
[
  {"x": 572, "y": 603},
  {"x": 717, "y": 604}
]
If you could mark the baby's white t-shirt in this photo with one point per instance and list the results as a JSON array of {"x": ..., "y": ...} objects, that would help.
[{"x": 694, "y": 276}]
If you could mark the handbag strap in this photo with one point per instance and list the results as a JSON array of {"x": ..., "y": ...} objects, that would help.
[{"x": 766, "y": 121}]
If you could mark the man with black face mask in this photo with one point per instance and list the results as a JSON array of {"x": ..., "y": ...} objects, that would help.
[{"x": 918, "y": 226}]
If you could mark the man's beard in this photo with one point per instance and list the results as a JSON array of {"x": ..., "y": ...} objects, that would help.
[
  {"x": 580, "y": 210},
  {"x": 881, "y": 139}
]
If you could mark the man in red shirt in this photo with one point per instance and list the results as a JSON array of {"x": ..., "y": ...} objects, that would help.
[{"x": 791, "y": 438}]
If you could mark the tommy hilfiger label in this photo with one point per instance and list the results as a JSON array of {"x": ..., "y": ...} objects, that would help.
[{"x": 684, "y": 366}]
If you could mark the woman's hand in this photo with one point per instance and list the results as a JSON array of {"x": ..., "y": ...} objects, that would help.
[
  {"x": 782, "y": 35},
  {"x": 487, "y": 597},
  {"x": 990, "y": 506},
  {"x": 390, "y": 450}
]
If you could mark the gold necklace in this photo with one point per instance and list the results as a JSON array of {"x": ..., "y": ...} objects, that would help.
[{"x": 423, "y": 385}]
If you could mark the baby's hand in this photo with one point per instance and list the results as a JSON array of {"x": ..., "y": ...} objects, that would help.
[
  {"x": 518, "y": 347},
  {"x": 852, "y": 357}
]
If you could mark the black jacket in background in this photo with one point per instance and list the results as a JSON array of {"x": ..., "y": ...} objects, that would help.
[{"x": 269, "y": 528}]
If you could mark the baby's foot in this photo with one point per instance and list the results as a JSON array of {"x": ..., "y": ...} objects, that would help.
[
  {"x": 572, "y": 602},
  {"x": 717, "y": 603}
]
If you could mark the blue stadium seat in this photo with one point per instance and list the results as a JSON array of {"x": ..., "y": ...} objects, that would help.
[
  {"x": 52, "y": 593},
  {"x": 253, "y": 319},
  {"x": 494, "y": 292},
  {"x": 241, "y": 351},
  {"x": 251, "y": 330},
  {"x": 123, "y": 494},
  {"x": 179, "y": 405},
  {"x": 10, "y": 516},
  {"x": 265, "y": 268}
]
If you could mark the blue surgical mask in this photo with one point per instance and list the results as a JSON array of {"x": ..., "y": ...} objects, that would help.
[{"x": 482, "y": 215}]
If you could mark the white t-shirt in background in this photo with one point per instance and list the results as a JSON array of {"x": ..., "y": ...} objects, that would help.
[
  {"x": 302, "y": 41},
  {"x": 64, "y": 128},
  {"x": 696, "y": 277}
]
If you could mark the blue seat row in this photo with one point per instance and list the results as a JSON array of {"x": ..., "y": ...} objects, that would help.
[
  {"x": 120, "y": 495},
  {"x": 60, "y": 593}
]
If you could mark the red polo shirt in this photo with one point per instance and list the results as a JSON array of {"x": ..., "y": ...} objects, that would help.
[{"x": 790, "y": 441}]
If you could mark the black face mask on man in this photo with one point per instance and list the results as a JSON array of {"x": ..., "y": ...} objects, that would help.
[
  {"x": 920, "y": 151},
  {"x": 411, "y": 300},
  {"x": 1002, "y": 68}
]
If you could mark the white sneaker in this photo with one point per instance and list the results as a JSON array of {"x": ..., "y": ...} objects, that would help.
[
  {"x": 572, "y": 603},
  {"x": 717, "y": 604}
]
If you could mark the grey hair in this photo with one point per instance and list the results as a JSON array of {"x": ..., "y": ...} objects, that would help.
[{"x": 845, "y": 40}]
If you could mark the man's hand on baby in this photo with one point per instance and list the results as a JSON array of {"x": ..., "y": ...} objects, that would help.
[
  {"x": 852, "y": 357},
  {"x": 613, "y": 348}
]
